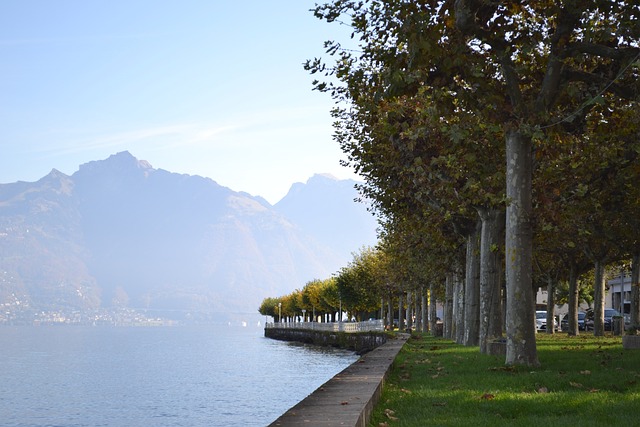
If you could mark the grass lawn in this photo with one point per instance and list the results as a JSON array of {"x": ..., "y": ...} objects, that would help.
[{"x": 582, "y": 381}]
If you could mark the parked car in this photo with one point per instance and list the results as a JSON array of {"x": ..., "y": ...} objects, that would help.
[
  {"x": 541, "y": 321},
  {"x": 609, "y": 314},
  {"x": 582, "y": 324}
]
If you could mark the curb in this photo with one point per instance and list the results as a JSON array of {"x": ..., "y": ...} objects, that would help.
[{"x": 348, "y": 398}]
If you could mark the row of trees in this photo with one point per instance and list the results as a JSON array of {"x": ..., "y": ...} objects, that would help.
[
  {"x": 499, "y": 144},
  {"x": 353, "y": 290},
  {"x": 440, "y": 103}
]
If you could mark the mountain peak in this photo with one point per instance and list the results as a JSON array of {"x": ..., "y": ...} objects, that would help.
[
  {"x": 324, "y": 176},
  {"x": 116, "y": 163},
  {"x": 54, "y": 174}
]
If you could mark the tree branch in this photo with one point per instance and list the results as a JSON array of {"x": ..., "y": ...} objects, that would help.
[
  {"x": 617, "y": 54},
  {"x": 627, "y": 92},
  {"x": 568, "y": 19}
]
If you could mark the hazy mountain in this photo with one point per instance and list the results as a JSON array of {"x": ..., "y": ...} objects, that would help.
[
  {"x": 120, "y": 233},
  {"x": 325, "y": 208}
]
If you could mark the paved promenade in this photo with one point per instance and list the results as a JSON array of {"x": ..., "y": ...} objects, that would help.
[{"x": 348, "y": 398}]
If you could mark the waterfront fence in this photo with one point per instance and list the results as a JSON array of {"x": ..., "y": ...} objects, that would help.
[{"x": 367, "y": 326}]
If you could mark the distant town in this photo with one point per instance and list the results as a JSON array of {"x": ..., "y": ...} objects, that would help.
[{"x": 19, "y": 312}]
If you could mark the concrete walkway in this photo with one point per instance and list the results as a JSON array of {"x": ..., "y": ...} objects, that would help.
[{"x": 348, "y": 398}]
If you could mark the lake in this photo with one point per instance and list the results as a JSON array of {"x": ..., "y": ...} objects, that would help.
[{"x": 155, "y": 376}]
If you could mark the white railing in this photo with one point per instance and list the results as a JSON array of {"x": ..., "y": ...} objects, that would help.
[{"x": 367, "y": 326}]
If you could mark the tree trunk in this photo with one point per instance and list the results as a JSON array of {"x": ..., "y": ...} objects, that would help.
[
  {"x": 458, "y": 311},
  {"x": 521, "y": 334},
  {"x": 418, "y": 323},
  {"x": 551, "y": 305},
  {"x": 447, "y": 321},
  {"x": 401, "y": 312},
  {"x": 390, "y": 311},
  {"x": 573, "y": 300},
  {"x": 635, "y": 290},
  {"x": 598, "y": 300},
  {"x": 472, "y": 289},
  {"x": 423, "y": 311},
  {"x": 433, "y": 309},
  {"x": 490, "y": 282},
  {"x": 409, "y": 310}
]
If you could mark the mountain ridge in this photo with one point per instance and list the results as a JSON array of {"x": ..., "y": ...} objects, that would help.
[{"x": 118, "y": 233}]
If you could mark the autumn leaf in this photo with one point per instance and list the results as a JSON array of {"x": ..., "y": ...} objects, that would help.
[
  {"x": 390, "y": 414},
  {"x": 488, "y": 396}
]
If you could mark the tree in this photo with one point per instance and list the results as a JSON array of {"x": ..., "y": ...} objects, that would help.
[
  {"x": 269, "y": 307},
  {"x": 359, "y": 284}
]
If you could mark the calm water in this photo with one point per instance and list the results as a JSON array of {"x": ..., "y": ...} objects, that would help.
[{"x": 164, "y": 376}]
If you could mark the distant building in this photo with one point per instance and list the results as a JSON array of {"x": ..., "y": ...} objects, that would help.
[{"x": 619, "y": 294}]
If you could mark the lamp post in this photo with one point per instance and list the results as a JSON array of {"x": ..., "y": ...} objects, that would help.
[
  {"x": 279, "y": 312},
  {"x": 304, "y": 315}
]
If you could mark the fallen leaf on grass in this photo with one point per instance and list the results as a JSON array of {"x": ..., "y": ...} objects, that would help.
[
  {"x": 488, "y": 396},
  {"x": 594, "y": 390},
  {"x": 543, "y": 390},
  {"x": 404, "y": 390},
  {"x": 439, "y": 404},
  {"x": 587, "y": 372},
  {"x": 390, "y": 414},
  {"x": 383, "y": 424},
  {"x": 577, "y": 385}
]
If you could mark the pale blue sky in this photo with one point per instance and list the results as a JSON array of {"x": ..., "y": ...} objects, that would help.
[{"x": 204, "y": 87}]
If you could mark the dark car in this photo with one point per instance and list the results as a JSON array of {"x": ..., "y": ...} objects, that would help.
[
  {"x": 609, "y": 314},
  {"x": 582, "y": 324}
]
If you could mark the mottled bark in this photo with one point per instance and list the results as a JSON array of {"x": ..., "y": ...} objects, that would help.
[
  {"x": 551, "y": 305},
  {"x": 472, "y": 289},
  {"x": 390, "y": 311},
  {"x": 423, "y": 311},
  {"x": 401, "y": 325},
  {"x": 447, "y": 327},
  {"x": 490, "y": 278},
  {"x": 598, "y": 299},
  {"x": 433, "y": 309},
  {"x": 635, "y": 290},
  {"x": 409, "y": 316},
  {"x": 521, "y": 335},
  {"x": 458, "y": 311},
  {"x": 573, "y": 300}
]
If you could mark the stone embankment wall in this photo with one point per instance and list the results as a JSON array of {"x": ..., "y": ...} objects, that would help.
[{"x": 360, "y": 342}]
